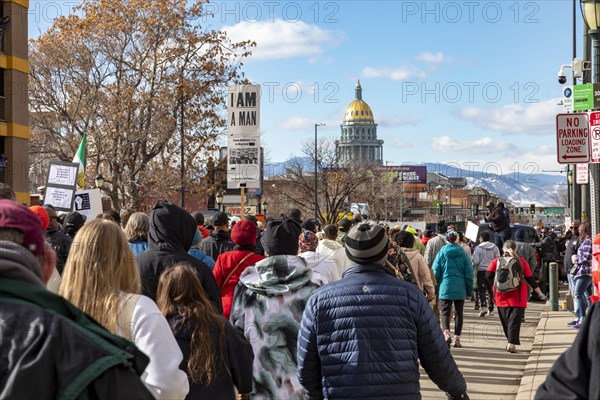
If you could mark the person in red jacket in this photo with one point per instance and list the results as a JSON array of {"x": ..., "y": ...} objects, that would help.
[
  {"x": 512, "y": 304},
  {"x": 231, "y": 264}
]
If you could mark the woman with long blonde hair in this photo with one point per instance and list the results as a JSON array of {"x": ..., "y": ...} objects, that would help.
[
  {"x": 217, "y": 358},
  {"x": 101, "y": 278}
]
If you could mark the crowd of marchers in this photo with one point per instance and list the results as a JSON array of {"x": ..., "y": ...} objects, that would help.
[{"x": 170, "y": 306}]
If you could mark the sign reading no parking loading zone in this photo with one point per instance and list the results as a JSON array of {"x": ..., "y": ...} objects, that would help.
[{"x": 572, "y": 138}]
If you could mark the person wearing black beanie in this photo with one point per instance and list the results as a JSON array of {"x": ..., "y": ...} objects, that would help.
[{"x": 268, "y": 305}]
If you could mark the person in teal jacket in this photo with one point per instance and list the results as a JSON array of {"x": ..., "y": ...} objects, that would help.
[{"x": 454, "y": 274}]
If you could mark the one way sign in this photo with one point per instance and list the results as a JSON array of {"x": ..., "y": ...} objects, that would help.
[{"x": 572, "y": 138}]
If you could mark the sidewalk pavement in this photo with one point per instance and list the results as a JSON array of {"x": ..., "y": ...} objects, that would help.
[
  {"x": 552, "y": 338},
  {"x": 493, "y": 373}
]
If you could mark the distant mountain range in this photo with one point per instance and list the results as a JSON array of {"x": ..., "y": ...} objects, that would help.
[{"x": 521, "y": 188}]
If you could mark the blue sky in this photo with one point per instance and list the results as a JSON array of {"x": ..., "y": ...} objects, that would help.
[{"x": 473, "y": 83}]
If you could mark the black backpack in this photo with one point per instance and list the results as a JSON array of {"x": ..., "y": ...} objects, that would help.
[{"x": 399, "y": 262}]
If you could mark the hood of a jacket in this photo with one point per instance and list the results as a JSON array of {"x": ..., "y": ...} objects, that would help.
[
  {"x": 277, "y": 275},
  {"x": 220, "y": 236},
  {"x": 410, "y": 253},
  {"x": 331, "y": 244},
  {"x": 171, "y": 228},
  {"x": 17, "y": 263},
  {"x": 487, "y": 245},
  {"x": 454, "y": 250}
]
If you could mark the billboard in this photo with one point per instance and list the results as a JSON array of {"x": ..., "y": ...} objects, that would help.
[{"x": 415, "y": 174}]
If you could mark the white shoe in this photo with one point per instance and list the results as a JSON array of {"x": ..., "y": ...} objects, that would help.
[
  {"x": 483, "y": 313},
  {"x": 456, "y": 342},
  {"x": 491, "y": 313},
  {"x": 511, "y": 348}
]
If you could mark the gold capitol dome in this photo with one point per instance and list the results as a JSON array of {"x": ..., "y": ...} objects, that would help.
[{"x": 358, "y": 112}]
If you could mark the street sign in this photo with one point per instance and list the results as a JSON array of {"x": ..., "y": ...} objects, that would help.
[
  {"x": 582, "y": 175},
  {"x": 572, "y": 138},
  {"x": 583, "y": 97},
  {"x": 595, "y": 137},
  {"x": 568, "y": 99}
]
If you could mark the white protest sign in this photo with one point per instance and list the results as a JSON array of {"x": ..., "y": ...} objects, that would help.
[
  {"x": 472, "y": 230},
  {"x": 60, "y": 198},
  {"x": 572, "y": 138},
  {"x": 60, "y": 185},
  {"x": 243, "y": 106},
  {"x": 88, "y": 203}
]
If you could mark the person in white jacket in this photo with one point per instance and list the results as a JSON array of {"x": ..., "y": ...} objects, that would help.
[
  {"x": 331, "y": 249},
  {"x": 101, "y": 278},
  {"x": 483, "y": 255},
  {"x": 325, "y": 267}
]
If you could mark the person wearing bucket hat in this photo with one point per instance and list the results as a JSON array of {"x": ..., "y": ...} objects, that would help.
[
  {"x": 267, "y": 308},
  {"x": 65, "y": 351},
  {"x": 454, "y": 274},
  {"x": 342, "y": 321}
]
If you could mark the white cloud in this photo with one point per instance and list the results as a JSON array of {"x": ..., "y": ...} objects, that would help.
[
  {"x": 536, "y": 118},
  {"x": 283, "y": 39},
  {"x": 432, "y": 58},
  {"x": 394, "y": 74},
  {"x": 484, "y": 145}
]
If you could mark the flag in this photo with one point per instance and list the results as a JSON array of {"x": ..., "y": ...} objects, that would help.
[{"x": 80, "y": 159}]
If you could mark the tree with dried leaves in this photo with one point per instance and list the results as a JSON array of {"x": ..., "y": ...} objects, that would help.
[{"x": 121, "y": 71}]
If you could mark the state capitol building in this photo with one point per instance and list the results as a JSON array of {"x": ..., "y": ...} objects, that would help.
[{"x": 359, "y": 141}]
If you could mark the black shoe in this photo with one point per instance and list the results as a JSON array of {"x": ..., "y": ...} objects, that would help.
[
  {"x": 572, "y": 323},
  {"x": 476, "y": 307}
]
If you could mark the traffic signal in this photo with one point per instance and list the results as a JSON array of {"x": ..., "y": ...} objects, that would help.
[
  {"x": 521, "y": 210},
  {"x": 475, "y": 209},
  {"x": 441, "y": 209},
  {"x": 532, "y": 209},
  {"x": 543, "y": 210}
]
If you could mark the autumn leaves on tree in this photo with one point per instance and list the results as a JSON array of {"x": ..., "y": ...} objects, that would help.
[{"x": 119, "y": 70}]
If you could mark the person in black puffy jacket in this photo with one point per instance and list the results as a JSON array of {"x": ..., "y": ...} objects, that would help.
[{"x": 357, "y": 330}]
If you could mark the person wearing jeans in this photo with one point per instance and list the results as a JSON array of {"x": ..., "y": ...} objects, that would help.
[
  {"x": 454, "y": 273},
  {"x": 483, "y": 255},
  {"x": 582, "y": 274}
]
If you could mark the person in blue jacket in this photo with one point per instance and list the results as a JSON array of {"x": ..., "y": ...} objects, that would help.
[
  {"x": 362, "y": 337},
  {"x": 200, "y": 254},
  {"x": 454, "y": 274}
]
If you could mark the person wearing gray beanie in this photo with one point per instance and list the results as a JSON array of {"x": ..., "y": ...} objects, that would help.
[{"x": 343, "y": 320}]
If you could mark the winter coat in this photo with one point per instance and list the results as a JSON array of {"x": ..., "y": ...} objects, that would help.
[
  {"x": 574, "y": 375},
  {"x": 527, "y": 251},
  {"x": 514, "y": 298},
  {"x": 138, "y": 247},
  {"x": 217, "y": 243},
  {"x": 223, "y": 267},
  {"x": 170, "y": 237},
  {"x": 336, "y": 252},
  {"x": 267, "y": 308},
  {"x": 364, "y": 336},
  {"x": 48, "y": 343},
  {"x": 419, "y": 246},
  {"x": 571, "y": 246},
  {"x": 433, "y": 247},
  {"x": 548, "y": 249},
  {"x": 484, "y": 254},
  {"x": 233, "y": 371},
  {"x": 422, "y": 273},
  {"x": 453, "y": 272},
  {"x": 202, "y": 256},
  {"x": 324, "y": 266},
  {"x": 61, "y": 243},
  {"x": 498, "y": 220}
]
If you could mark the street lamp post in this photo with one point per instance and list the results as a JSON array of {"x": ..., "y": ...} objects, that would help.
[
  {"x": 219, "y": 200},
  {"x": 99, "y": 181},
  {"x": 264, "y": 208},
  {"x": 316, "y": 171},
  {"x": 591, "y": 14}
]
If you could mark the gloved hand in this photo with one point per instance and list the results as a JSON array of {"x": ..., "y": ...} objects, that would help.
[{"x": 462, "y": 396}]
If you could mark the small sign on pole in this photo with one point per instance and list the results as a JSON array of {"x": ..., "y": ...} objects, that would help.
[
  {"x": 582, "y": 175},
  {"x": 572, "y": 138},
  {"x": 568, "y": 99}
]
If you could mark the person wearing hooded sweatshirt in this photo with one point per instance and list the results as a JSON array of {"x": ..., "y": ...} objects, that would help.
[
  {"x": 219, "y": 240},
  {"x": 483, "y": 256},
  {"x": 267, "y": 308},
  {"x": 231, "y": 264},
  {"x": 170, "y": 237},
  {"x": 454, "y": 273},
  {"x": 329, "y": 247},
  {"x": 200, "y": 254},
  {"x": 323, "y": 266}
]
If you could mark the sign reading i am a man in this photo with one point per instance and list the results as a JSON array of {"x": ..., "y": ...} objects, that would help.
[{"x": 243, "y": 104}]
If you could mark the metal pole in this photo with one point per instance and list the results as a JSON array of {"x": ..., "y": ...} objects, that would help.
[
  {"x": 182, "y": 151},
  {"x": 594, "y": 178},
  {"x": 553, "y": 289},
  {"x": 316, "y": 170}
]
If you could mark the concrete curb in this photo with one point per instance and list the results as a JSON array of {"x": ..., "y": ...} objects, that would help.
[{"x": 552, "y": 338}]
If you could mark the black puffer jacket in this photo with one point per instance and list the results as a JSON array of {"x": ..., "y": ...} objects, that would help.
[
  {"x": 575, "y": 374},
  {"x": 235, "y": 370},
  {"x": 548, "y": 249},
  {"x": 171, "y": 234}
]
